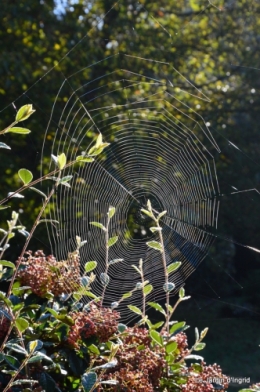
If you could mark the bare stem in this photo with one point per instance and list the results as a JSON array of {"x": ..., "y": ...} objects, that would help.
[
  {"x": 166, "y": 277},
  {"x": 106, "y": 258}
]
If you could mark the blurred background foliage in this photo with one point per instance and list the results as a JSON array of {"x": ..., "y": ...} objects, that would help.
[{"x": 215, "y": 45}]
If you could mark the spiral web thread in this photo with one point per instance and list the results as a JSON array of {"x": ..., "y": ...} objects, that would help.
[
  {"x": 161, "y": 149},
  {"x": 154, "y": 154}
]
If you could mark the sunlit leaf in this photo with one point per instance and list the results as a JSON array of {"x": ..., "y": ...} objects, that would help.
[
  {"x": 24, "y": 112},
  {"x": 112, "y": 241},
  {"x": 82, "y": 158},
  {"x": 173, "y": 267},
  {"x": 97, "y": 224},
  {"x": 21, "y": 131},
  {"x": 155, "y": 245},
  {"x": 61, "y": 161},
  {"x": 111, "y": 212},
  {"x": 7, "y": 264},
  {"x": 135, "y": 309},
  {"x": 147, "y": 289},
  {"x": 114, "y": 261},
  {"x": 13, "y": 194},
  {"x": 156, "y": 337},
  {"x": 25, "y": 175},
  {"x": 3, "y": 145},
  {"x": 21, "y": 324},
  {"x": 38, "y": 191},
  {"x": 90, "y": 266},
  {"x": 157, "y": 306},
  {"x": 171, "y": 347}
]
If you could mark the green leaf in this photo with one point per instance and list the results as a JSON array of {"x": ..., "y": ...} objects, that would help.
[
  {"x": 127, "y": 295},
  {"x": 173, "y": 267},
  {"x": 61, "y": 161},
  {"x": 157, "y": 325},
  {"x": 64, "y": 179},
  {"x": 181, "y": 292},
  {"x": 171, "y": 347},
  {"x": 15, "y": 347},
  {"x": 47, "y": 382},
  {"x": 25, "y": 175},
  {"x": 147, "y": 289},
  {"x": 77, "y": 363},
  {"x": 82, "y": 158},
  {"x": 94, "y": 349},
  {"x": 157, "y": 306},
  {"x": 154, "y": 229},
  {"x": 7, "y": 264},
  {"x": 148, "y": 213},
  {"x": 5, "y": 299},
  {"x": 197, "y": 334},
  {"x": 112, "y": 241},
  {"x": 155, "y": 245},
  {"x": 111, "y": 212},
  {"x": 203, "y": 333},
  {"x": 99, "y": 141},
  {"x": 114, "y": 261},
  {"x": 88, "y": 381},
  {"x": 34, "y": 345},
  {"x": 177, "y": 327},
  {"x": 21, "y": 324},
  {"x": 38, "y": 191},
  {"x": 12, "y": 361},
  {"x": 24, "y": 112},
  {"x": 135, "y": 309},
  {"x": 90, "y": 266},
  {"x": 168, "y": 287},
  {"x": 196, "y": 357},
  {"x": 39, "y": 357},
  {"x": 104, "y": 279},
  {"x": 149, "y": 206},
  {"x": 136, "y": 268},
  {"x": 97, "y": 224},
  {"x": 21, "y": 131},
  {"x": 20, "y": 381},
  {"x": 199, "y": 346},
  {"x": 161, "y": 214},
  {"x": 3, "y": 145},
  {"x": 4, "y": 207},
  {"x": 156, "y": 337},
  {"x": 121, "y": 327}
]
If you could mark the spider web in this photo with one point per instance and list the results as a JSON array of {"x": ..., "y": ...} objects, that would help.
[{"x": 161, "y": 149}]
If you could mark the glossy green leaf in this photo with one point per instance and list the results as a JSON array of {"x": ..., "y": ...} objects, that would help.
[
  {"x": 3, "y": 145},
  {"x": 8, "y": 264},
  {"x": 12, "y": 361},
  {"x": 4, "y": 207},
  {"x": 21, "y": 131},
  {"x": 34, "y": 345},
  {"x": 111, "y": 212},
  {"x": 127, "y": 295},
  {"x": 90, "y": 266},
  {"x": 39, "y": 357},
  {"x": 112, "y": 241},
  {"x": 47, "y": 382},
  {"x": 97, "y": 224},
  {"x": 16, "y": 347},
  {"x": 177, "y": 327},
  {"x": 104, "y": 278},
  {"x": 21, "y": 324},
  {"x": 82, "y": 158},
  {"x": 88, "y": 381},
  {"x": 171, "y": 347},
  {"x": 24, "y": 112},
  {"x": 147, "y": 289},
  {"x": 25, "y": 175},
  {"x": 61, "y": 161},
  {"x": 157, "y": 306},
  {"x": 155, "y": 245},
  {"x": 181, "y": 292},
  {"x": 173, "y": 267},
  {"x": 135, "y": 309},
  {"x": 156, "y": 337},
  {"x": 94, "y": 349},
  {"x": 199, "y": 346}
]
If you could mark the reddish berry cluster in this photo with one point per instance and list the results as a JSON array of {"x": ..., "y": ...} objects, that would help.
[
  {"x": 45, "y": 274},
  {"x": 139, "y": 365},
  {"x": 99, "y": 322},
  {"x": 83, "y": 328},
  {"x": 201, "y": 382}
]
